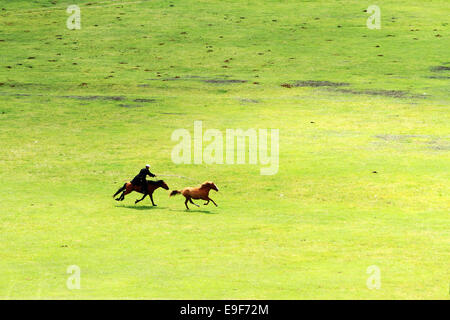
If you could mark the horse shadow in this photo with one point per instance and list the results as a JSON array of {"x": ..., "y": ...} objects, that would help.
[
  {"x": 139, "y": 207},
  {"x": 201, "y": 211},
  {"x": 194, "y": 211},
  {"x": 147, "y": 207}
]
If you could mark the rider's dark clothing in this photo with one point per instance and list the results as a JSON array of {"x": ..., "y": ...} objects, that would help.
[{"x": 140, "y": 179}]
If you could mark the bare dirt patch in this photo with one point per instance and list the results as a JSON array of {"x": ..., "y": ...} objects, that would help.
[
  {"x": 22, "y": 95},
  {"x": 438, "y": 77},
  {"x": 337, "y": 86},
  {"x": 107, "y": 98},
  {"x": 130, "y": 105},
  {"x": 200, "y": 78},
  {"x": 145, "y": 100},
  {"x": 381, "y": 92},
  {"x": 177, "y": 78},
  {"x": 439, "y": 68},
  {"x": 314, "y": 84},
  {"x": 246, "y": 100},
  {"x": 438, "y": 143},
  {"x": 400, "y": 137},
  {"x": 224, "y": 81}
]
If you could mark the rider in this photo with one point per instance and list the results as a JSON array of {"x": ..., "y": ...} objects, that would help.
[{"x": 140, "y": 179}]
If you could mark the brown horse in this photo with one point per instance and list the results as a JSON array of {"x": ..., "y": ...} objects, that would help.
[
  {"x": 201, "y": 192},
  {"x": 128, "y": 187}
]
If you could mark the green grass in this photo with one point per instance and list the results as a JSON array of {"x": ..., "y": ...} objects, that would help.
[{"x": 308, "y": 232}]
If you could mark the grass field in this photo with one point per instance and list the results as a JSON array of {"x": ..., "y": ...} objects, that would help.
[{"x": 81, "y": 111}]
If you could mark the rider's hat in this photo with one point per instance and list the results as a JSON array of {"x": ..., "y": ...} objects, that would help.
[{"x": 147, "y": 165}]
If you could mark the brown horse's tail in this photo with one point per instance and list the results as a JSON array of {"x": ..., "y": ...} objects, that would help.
[
  {"x": 120, "y": 190},
  {"x": 174, "y": 192}
]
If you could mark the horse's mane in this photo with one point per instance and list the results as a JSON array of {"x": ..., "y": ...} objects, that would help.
[{"x": 154, "y": 182}]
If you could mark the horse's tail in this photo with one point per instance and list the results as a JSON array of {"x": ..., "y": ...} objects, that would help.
[
  {"x": 121, "y": 189},
  {"x": 174, "y": 192}
]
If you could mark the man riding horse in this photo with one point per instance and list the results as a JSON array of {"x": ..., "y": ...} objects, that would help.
[{"x": 140, "y": 179}]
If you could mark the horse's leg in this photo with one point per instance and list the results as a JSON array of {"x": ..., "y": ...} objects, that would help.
[
  {"x": 124, "y": 194},
  {"x": 190, "y": 200},
  {"x": 140, "y": 199},
  {"x": 206, "y": 203},
  {"x": 185, "y": 203},
  {"x": 120, "y": 198},
  {"x": 151, "y": 198},
  {"x": 212, "y": 201}
]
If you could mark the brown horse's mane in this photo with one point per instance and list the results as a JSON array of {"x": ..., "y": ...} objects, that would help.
[{"x": 157, "y": 182}]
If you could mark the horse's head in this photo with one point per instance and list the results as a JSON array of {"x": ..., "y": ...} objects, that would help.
[
  {"x": 209, "y": 185},
  {"x": 163, "y": 185},
  {"x": 159, "y": 183}
]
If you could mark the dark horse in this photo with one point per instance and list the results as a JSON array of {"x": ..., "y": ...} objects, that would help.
[{"x": 128, "y": 187}]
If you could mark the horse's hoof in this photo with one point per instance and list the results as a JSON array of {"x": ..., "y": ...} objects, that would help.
[{"x": 155, "y": 205}]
